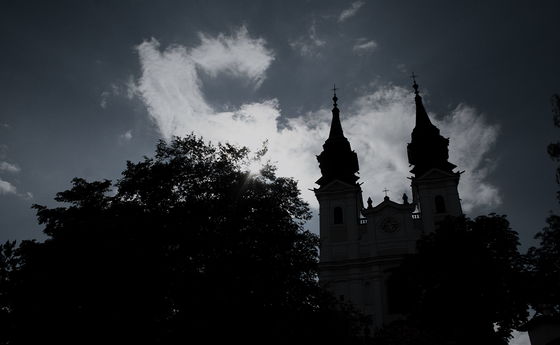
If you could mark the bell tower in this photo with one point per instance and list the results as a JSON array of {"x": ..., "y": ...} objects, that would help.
[
  {"x": 339, "y": 195},
  {"x": 434, "y": 184}
]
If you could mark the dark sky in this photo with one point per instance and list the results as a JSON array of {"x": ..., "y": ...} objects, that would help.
[{"x": 87, "y": 85}]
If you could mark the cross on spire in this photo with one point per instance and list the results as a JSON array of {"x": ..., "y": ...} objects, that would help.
[
  {"x": 334, "y": 95},
  {"x": 414, "y": 85}
]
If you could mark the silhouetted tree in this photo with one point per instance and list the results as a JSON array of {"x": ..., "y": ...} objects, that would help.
[
  {"x": 544, "y": 260},
  {"x": 189, "y": 245},
  {"x": 9, "y": 262},
  {"x": 463, "y": 286},
  {"x": 544, "y": 265}
]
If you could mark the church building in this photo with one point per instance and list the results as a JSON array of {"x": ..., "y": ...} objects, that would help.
[{"x": 361, "y": 243}]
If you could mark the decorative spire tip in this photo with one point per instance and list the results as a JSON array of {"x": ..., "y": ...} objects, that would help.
[
  {"x": 334, "y": 95},
  {"x": 414, "y": 85}
]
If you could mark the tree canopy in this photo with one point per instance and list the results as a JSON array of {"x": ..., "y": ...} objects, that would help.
[
  {"x": 186, "y": 245},
  {"x": 464, "y": 284},
  {"x": 544, "y": 260}
]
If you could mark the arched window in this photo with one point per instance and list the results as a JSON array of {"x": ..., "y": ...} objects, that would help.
[
  {"x": 440, "y": 204},
  {"x": 338, "y": 215}
]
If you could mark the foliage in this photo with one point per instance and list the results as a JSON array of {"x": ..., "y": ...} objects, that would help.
[
  {"x": 188, "y": 246},
  {"x": 544, "y": 265},
  {"x": 544, "y": 260},
  {"x": 464, "y": 284}
]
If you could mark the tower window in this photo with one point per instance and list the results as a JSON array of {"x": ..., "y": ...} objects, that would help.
[
  {"x": 440, "y": 204},
  {"x": 338, "y": 215}
]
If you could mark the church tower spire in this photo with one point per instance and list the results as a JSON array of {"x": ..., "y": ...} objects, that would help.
[
  {"x": 336, "y": 127},
  {"x": 337, "y": 161},
  {"x": 434, "y": 184},
  {"x": 428, "y": 149}
]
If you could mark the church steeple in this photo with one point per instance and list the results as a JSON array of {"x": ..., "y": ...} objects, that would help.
[
  {"x": 427, "y": 149},
  {"x": 336, "y": 127},
  {"x": 337, "y": 161}
]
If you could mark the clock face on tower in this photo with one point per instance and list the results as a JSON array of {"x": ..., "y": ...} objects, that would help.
[{"x": 390, "y": 225}]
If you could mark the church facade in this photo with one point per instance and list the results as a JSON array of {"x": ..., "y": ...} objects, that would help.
[{"x": 360, "y": 244}]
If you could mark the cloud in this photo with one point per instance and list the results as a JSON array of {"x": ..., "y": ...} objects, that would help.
[
  {"x": 126, "y": 136},
  {"x": 170, "y": 85},
  {"x": 238, "y": 55},
  {"x": 308, "y": 45},
  {"x": 351, "y": 11},
  {"x": 378, "y": 123},
  {"x": 470, "y": 138},
  {"x": 7, "y": 188},
  {"x": 104, "y": 99},
  {"x": 125, "y": 88},
  {"x": 8, "y": 167},
  {"x": 363, "y": 46},
  {"x": 401, "y": 67}
]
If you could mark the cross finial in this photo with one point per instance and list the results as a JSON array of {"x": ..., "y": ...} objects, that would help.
[
  {"x": 414, "y": 85},
  {"x": 334, "y": 95},
  {"x": 385, "y": 190}
]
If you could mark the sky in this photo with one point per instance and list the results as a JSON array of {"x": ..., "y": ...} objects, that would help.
[{"x": 87, "y": 85}]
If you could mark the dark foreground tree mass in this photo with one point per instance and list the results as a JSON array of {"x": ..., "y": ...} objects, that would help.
[
  {"x": 465, "y": 285},
  {"x": 186, "y": 247},
  {"x": 544, "y": 260}
]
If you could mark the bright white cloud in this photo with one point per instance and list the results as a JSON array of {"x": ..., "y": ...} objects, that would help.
[
  {"x": 308, "y": 45},
  {"x": 470, "y": 139},
  {"x": 7, "y": 188},
  {"x": 9, "y": 167},
  {"x": 170, "y": 85},
  {"x": 238, "y": 55},
  {"x": 378, "y": 124},
  {"x": 351, "y": 11},
  {"x": 363, "y": 46}
]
